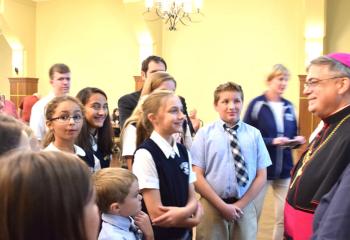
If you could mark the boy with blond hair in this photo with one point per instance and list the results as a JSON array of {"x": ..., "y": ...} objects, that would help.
[{"x": 119, "y": 201}]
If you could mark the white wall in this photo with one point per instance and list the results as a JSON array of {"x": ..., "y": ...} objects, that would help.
[
  {"x": 5, "y": 66},
  {"x": 236, "y": 41},
  {"x": 338, "y": 26}
]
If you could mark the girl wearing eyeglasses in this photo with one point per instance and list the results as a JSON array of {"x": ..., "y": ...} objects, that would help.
[
  {"x": 96, "y": 136},
  {"x": 64, "y": 120}
]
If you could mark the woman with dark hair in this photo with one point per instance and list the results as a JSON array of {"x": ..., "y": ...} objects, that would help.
[
  {"x": 96, "y": 135},
  {"x": 46, "y": 195}
]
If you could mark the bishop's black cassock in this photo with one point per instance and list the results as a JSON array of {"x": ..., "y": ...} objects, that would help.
[{"x": 316, "y": 172}]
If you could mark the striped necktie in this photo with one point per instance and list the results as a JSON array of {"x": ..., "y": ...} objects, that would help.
[
  {"x": 136, "y": 231},
  {"x": 240, "y": 164}
]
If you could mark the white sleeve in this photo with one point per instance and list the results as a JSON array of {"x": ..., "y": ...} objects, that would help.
[
  {"x": 129, "y": 141},
  {"x": 145, "y": 170},
  {"x": 37, "y": 121},
  {"x": 192, "y": 176}
]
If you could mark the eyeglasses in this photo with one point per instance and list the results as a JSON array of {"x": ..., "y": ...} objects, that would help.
[
  {"x": 66, "y": 118},
  {"x": 313, "y": 82}
]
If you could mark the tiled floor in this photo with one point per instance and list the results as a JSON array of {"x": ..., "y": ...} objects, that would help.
[{"x": 267, "y": 218}]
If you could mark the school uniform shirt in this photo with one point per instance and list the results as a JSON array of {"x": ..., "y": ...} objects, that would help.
[
  {"x": 116, "y": 227},
  {"x": 159, "y": 165},
  {"x": 314, "y": 176},
  {"x": 211, "y": 151},
  {"x": 145, "y": 169},
  {"x": 77, "y": 150},
  {"x": 94, "y": 158},
  {"x": 97, "y": 154},
  {"x": 37, "y": 117},
  {"x": 274, "y": 119},
  {"x": 129, "y": 140}
]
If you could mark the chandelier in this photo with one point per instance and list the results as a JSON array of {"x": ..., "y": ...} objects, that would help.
[{"x": 173, "y": 11}]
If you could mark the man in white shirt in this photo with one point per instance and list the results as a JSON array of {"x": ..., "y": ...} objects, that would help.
[{"x": 59, "y": 75}]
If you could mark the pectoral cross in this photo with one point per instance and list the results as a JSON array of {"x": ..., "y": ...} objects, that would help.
[{"x": 300, "y": 170}]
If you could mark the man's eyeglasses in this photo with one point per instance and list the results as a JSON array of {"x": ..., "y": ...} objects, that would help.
[
  {"x": 313, "y": 82},
  {"x": 66, "y": 118}
]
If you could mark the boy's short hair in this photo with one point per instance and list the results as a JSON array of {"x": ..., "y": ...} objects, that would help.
[
  {"x": 112, "y": 185},
  {"x": 58, "y": 67},
  {"x": 229, "y": 86},
  {"x": 152, "y": 58}
]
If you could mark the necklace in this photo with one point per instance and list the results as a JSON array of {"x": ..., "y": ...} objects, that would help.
[{"x": 311, "y": 152}]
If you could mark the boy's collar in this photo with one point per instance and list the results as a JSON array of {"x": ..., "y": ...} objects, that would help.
[
  {"x": 117, "y": 220},
  {"x": 230, "y": 124}
]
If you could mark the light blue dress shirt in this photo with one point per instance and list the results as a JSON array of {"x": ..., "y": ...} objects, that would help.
[
  {"x": 212, "y": 152},
  {"x": 116, "y": 227}
]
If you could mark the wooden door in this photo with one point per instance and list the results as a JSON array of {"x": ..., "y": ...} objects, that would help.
[{"x": 21, "y": 87}]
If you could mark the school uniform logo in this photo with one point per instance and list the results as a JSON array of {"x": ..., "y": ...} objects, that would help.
[{"x": 185, "y": 168}]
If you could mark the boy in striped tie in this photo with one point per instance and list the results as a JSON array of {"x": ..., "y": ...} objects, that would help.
[{"x": 230, "y": 160}]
